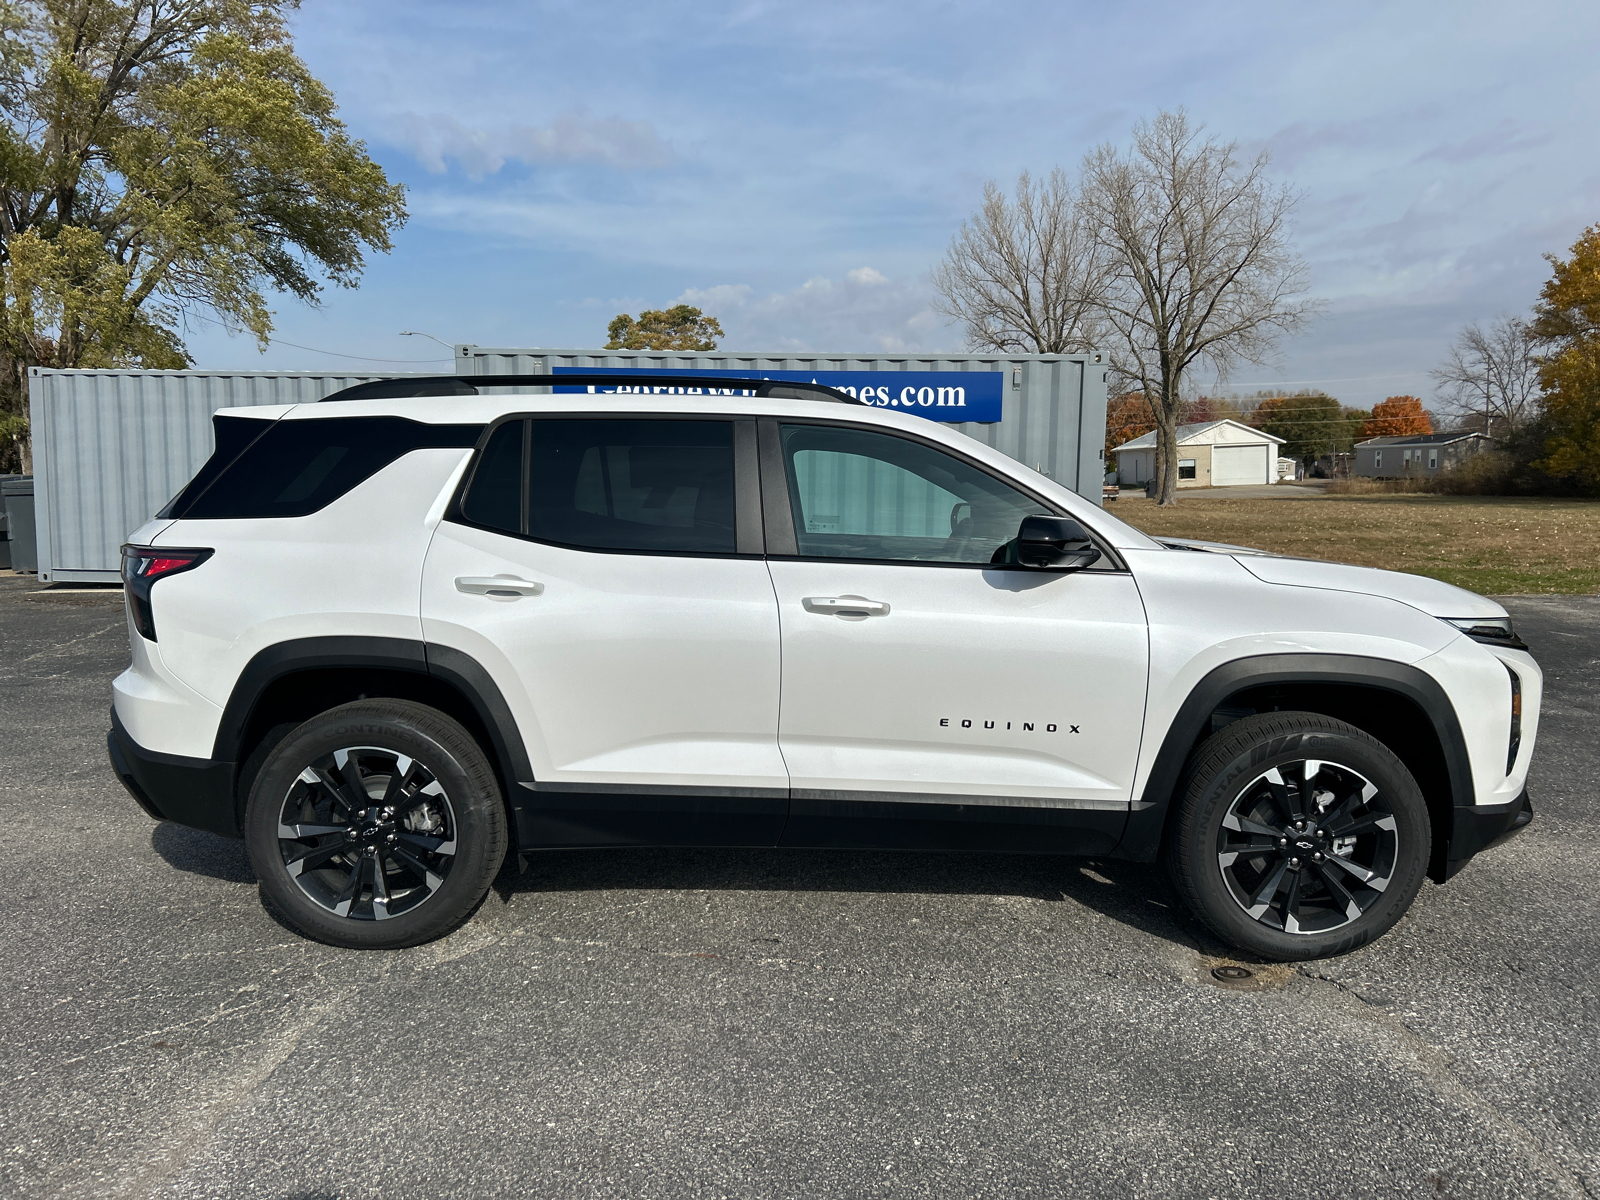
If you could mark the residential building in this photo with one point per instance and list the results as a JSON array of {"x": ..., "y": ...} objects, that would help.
[
  {"x": 1223, "y": 453},
  {"x": 1416, "y": 454}
]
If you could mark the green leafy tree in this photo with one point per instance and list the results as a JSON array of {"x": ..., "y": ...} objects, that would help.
[
  {"x": 1567, "y": 323},
  {"x": 1311, "y": 424},
  {"x": 162, "y": 158},
  {"x": 681, "y": 327}
]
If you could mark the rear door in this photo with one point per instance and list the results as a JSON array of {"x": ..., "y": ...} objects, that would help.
[
  {"x": 607, "y": 572},
  {"x": 930, "y": 697}
]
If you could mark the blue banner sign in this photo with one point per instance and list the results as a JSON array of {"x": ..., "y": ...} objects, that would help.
[{"x": 937, "y": 395}]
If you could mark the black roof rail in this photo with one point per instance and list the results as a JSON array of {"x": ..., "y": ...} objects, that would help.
[{"x": 670, "y": 382}]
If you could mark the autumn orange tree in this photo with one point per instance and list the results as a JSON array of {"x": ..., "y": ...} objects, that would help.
[
  {"x": 1398, "y": 416},
  {"x": 1205, "y": 409},
  {"x": 1127, "y": 416},
  {"x": 1567, "y": 323}
]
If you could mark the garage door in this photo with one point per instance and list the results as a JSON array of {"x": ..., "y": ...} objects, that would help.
[{"x": 1238, "y": 464}]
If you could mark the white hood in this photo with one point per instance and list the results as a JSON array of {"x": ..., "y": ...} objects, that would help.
[
  {"x": 1432, "y": 597},
  {"x": 1429, "y": 595}
]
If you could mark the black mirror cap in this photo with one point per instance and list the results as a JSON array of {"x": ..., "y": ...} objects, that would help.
[
  {"x": 1055, "y": 544},
  {"x": 1051, "y": 529}
]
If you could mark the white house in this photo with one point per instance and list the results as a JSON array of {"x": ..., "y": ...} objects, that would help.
[{"x": 1211, "y": 454}]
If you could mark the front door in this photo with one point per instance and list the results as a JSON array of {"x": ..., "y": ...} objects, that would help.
[
  {"x": 931, "y": 698},
  {"x": 606, "y": 572}
]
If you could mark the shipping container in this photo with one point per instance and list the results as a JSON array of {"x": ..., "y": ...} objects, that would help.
[
  {"x": 111, "y": 447},
  {"x": 1052, "y": 407}
]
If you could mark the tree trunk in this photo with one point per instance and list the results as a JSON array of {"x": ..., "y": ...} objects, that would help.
[
  {"x": 1167, "y": 441},
  {"x": 14, "y": 402}
]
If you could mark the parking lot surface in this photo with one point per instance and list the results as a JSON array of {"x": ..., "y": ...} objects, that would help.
[{"x": 770, "y": 1023}]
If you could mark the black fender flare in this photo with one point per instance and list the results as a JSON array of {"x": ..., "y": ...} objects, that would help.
[
  {"x": 450, "y": 666},
  {"x": 1141, "y": 839}
]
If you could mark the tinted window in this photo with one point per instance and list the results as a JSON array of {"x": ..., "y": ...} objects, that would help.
[
  {"x": 495, "y": 497},
  {"x": 859, "y": 494},
  {"x": 232, "y": 435},
  {"x": 299, "y": 466},
  {"x": 633, "y": 484}
]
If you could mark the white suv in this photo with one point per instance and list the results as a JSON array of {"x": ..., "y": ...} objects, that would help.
[{"x": 387, "y": 637}]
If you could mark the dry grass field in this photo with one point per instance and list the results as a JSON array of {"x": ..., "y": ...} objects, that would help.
[{"x": 1492, "y": 545}]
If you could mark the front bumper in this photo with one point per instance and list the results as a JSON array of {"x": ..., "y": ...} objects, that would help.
[
  {"x": 1480, "y": 827},
  {"x": 197, "y": 792}
]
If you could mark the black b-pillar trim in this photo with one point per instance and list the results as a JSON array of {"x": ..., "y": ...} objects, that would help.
[
  {"x": 777, "y": 518},
  {"x": 1141, "y": 840},
  {"x": 748, "y": 537}
]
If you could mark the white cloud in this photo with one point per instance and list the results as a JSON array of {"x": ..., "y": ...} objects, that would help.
[
  {"x": 571, "y": 137},
  {"x": 866, "y": 310}
]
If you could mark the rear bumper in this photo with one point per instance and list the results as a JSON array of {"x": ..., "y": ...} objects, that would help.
[
  {"x": 197, "y": 792},
  {"x": 1480, "y": 827}
]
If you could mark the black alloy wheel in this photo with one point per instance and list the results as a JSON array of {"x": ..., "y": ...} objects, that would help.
[
  {"x": 367, "y": 833},
  {"x": 1299, "y": 836},
  {"x": 1307, "y": 846},
  {"x": 375, "y": 825}
]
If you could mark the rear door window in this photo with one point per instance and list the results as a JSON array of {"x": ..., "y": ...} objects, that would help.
[{"x": 610, "y": 483}]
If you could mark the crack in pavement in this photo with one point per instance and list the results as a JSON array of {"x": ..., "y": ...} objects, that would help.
[
  {"x": 49, "y": 650},
  {"x": 146, "y": 1179},
  {"x": 1438, "y": 1067}
]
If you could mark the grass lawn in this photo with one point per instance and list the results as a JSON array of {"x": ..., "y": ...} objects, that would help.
[{"x": 1491, "y": 545}]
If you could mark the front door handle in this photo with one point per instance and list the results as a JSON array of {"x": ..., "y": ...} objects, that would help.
[
  {"x": 497, "y": 585},
  {"x": 846, "y": 605}
]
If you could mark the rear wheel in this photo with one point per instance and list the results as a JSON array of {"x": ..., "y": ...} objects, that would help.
[
  {"x": 375, "y": 825},
  {"x": 1299, "y": 836}
]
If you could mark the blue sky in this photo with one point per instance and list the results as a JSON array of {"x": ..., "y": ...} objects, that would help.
[{"x": 798, "y": 169}]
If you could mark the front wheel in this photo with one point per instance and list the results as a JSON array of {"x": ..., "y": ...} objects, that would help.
[
  {"x": 1299, "y": 836},
  {"x": 376, "y": 825}
]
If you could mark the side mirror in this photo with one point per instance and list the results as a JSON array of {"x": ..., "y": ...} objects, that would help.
[{"x": 1054, "y": 544}]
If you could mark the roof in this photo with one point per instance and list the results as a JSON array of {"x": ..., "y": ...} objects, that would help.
[
  {"x": 1421, "y": 439},
  {"x": 1197, "y": 432}
]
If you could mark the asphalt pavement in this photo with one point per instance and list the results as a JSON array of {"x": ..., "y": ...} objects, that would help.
[{"x": 768, "y": 1023}]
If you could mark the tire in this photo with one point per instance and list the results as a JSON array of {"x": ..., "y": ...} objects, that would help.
[
  {"x": 1287, "y": 892},
  {"x": 376, "y": 825}
]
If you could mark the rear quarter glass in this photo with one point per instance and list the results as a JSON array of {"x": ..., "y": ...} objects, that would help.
[{"x": 295, "y": 468}]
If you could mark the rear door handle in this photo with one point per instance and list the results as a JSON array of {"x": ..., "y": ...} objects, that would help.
[
  {"x": 845, "y": 604},
  {"x": 497, "y": 585}
]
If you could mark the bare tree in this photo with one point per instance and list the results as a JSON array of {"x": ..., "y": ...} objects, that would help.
[
  {"x": 1199, "y": 266},
  {"x": 1491, "y": 378},
  {"x": 1024, "y": 275}
]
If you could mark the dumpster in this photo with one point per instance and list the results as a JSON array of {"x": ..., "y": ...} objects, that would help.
[
  {"x": 17, "y": 493},
  {"x": 5, "y": 543}
]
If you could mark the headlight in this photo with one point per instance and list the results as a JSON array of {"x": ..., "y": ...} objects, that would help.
[{"x": 1491, "y": 631}]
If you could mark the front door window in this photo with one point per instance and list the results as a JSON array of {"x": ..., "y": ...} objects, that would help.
[{"x": 866, "y": 495}]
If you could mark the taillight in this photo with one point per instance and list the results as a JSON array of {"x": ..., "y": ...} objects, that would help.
[
  {"x": 141, "y": 567},
  {"x": 1516, "y": 720}
]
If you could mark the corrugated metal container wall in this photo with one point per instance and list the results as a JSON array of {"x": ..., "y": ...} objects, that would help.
[
  {"x": 1053, "y": 411},
  {"x": 111, "y": 447}
]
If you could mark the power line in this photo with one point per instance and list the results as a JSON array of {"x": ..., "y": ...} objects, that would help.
[
  {"x": 358, "y": 357},
  {"x": 1347, "y": 379},
  {"x": 1149, "y": 425}
]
